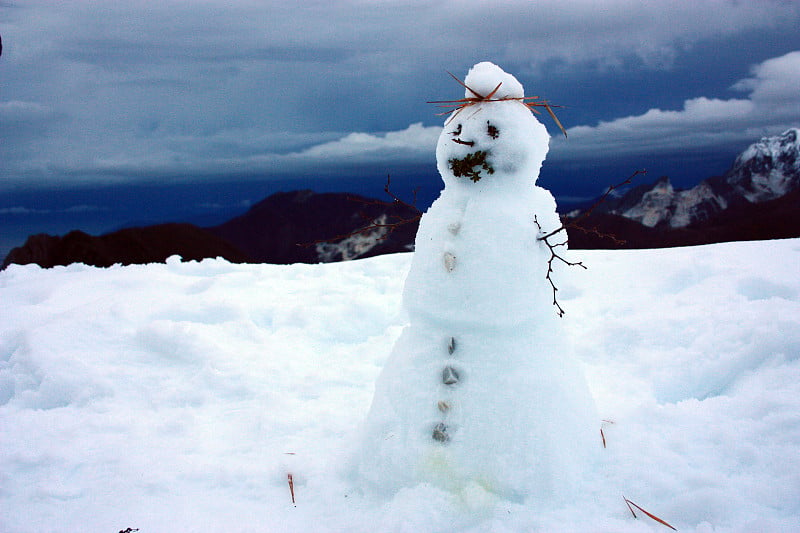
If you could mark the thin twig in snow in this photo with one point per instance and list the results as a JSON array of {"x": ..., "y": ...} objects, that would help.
[{"x": 650, "y": 515}]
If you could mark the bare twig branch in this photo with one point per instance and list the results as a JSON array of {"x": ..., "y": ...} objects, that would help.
[
  {"x": 396, "y": 200},
  {"x": 372, "y": 224},
  {"x": 553, "y": 257},
  {"x": 575, "y": 224},
  {"x": 611, "y": 188},
  {"x": 650, "y": 515},
  {"x": 532, "y": 102},
  {"x": 291, "y": 488}
]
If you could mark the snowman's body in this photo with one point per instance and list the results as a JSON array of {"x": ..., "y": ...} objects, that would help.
[{"x": 480, "y": 387}]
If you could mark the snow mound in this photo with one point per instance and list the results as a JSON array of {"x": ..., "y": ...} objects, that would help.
[
  {"x": 179, "y": 397},
  {"x": 485, "y": 77}
]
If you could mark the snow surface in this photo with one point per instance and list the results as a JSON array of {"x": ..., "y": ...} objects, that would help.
[
  {"x": 169, "y": 397},
  {"x": 481, "y": 392}
]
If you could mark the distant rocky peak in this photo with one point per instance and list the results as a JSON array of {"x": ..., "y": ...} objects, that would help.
[
  {"x": 663, "y": 183},
  {"x": 662, "y": 204},
  {"x": 767, "y": 169},
  {"x": 655, "y": 205}
]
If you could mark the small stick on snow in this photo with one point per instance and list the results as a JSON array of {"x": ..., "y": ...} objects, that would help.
[
  {"x": 602, "y": 433},
  {"x": 650, "y": 515},
  {"x": 291, "y": 489}
]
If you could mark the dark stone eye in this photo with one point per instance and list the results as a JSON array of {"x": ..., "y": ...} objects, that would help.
[
  {"x": 492, "y": 131},
  {"x": 457, "y": 131}
]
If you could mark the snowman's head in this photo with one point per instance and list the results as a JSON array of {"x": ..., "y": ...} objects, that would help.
[{"x": 495, "y": 140}]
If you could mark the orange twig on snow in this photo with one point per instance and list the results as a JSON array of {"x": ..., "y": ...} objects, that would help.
[
  {"x": 291, "y": 489},
  {"x": 602, "y": 433},
  {"x": 631, "y": 505}
]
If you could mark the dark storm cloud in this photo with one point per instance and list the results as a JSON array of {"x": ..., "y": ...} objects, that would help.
[
  {"x": 134, "y": 90},
  {"x": 770, "y": 103},
  {"x": 114, "y": 53}
]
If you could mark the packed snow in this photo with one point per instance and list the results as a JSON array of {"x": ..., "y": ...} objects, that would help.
[
  {"x": 481, "y": 394},
  {"x": 179, "y": 396}
]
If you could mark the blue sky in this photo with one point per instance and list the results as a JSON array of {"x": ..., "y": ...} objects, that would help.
[{"x": 176, "y": 91}]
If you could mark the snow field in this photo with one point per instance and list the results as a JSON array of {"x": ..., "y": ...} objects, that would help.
[{"x": 170, "y": 397}]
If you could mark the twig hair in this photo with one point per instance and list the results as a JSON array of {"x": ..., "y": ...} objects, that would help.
[{"x": 531, "y": 102}]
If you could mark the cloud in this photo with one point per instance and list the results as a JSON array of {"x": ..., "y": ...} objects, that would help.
[
  {"x": 607, "y": 34},
  {"x": 23, "y": 125},
  {"x": 19, "y": 111},
  {"x": 24, "y": 118},
  {"x": 148, "y": 89},
  {"x": 774, "y": 84},
  {"x": 771, "y": 106},
  {"x": 245, "y": 152},
  {"x": 408, "y": 144},
  {"x": 21, "y": 210}
]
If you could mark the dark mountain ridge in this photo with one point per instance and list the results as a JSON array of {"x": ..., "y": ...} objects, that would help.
[
  {"x": 758, "y": 198},
  {"x": 307, "y": 227},
  {"x": 775, "y": 219},
  {"x": 150, "y": 244},
  {"x": 284, "y": 228}
]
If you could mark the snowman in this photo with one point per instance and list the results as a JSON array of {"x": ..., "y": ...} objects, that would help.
[{"x": 480, "y": 389}]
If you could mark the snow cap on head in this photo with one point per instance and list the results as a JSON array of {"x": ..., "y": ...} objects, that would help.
[{"x": 484, "y": 77}]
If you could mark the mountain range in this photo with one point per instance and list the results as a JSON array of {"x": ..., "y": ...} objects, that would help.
[
  {"x": 286, "y": 227},
  {"x": 767, "y": 170},
  {"x": 757, "y": 198}
]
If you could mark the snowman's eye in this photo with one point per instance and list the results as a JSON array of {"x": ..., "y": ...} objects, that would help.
[
  {"x": 457, "y": 131},
  {"x": 492, "y": 131}
]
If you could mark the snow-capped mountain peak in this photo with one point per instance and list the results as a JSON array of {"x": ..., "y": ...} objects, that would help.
[
  {"x": 766, "y": 170},
  {"x": 663, "y": 204}
]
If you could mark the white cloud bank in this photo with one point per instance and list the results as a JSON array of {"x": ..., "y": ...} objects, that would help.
[
  {"x": 410, "y": 143},
  {"x": 772, "y": 105},
  {"x": 152, "y": 89}
]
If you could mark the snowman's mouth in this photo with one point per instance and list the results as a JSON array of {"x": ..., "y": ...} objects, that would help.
[{"x": 471, "y": 165}]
